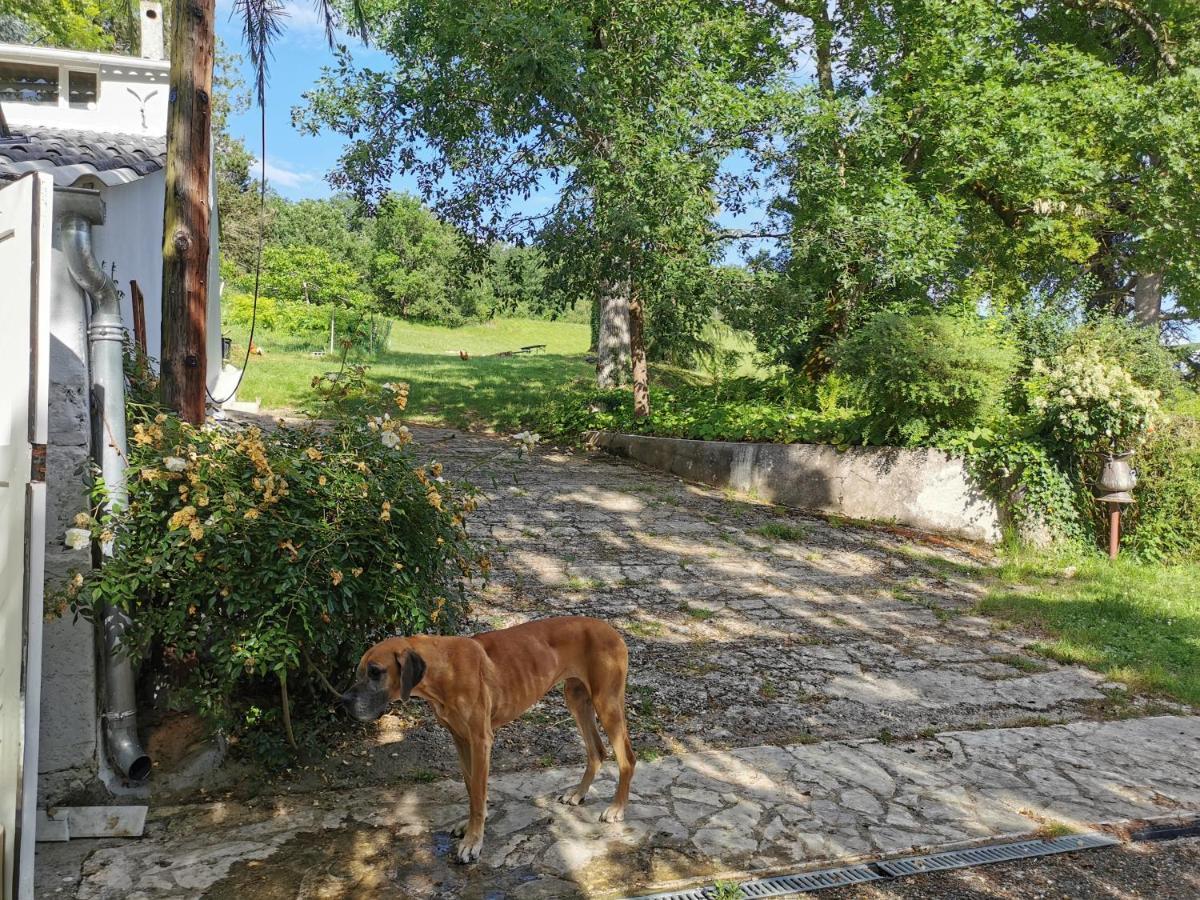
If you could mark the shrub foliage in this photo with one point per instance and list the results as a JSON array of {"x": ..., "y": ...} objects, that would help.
[
  {"x": 926, "y": 373},
  {"x": 247, "y": 556}
]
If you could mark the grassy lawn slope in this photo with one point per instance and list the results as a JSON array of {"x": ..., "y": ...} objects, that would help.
[
  {"x": 483, "y": 391},
  {"x": 1137, "y": 623}
]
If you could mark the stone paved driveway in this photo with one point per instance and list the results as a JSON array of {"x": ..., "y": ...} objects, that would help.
[
  {"x": 750, "y": 624},
  {"x": 801, "y": 691},
  {"x": 708, "y": 814}
]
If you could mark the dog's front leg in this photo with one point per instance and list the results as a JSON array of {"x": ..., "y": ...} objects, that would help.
[
  {"x": 480, "y": 752},
  {"x": 463, "y": 746}
]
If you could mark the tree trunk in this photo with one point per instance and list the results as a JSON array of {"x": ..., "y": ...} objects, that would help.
[
  {"x": 1147, "y": 299},
  {"x": 1111, "y": 291},
  {"x": 594, "y": 321},
  {"x": 637, "y": 344},
  {"x": 612, "y": 351},
  {"x": 184, "y": 363},
  {"x": 823, "y": 45}
]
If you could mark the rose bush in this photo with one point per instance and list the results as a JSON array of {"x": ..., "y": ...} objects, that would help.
[{"x": 248, "y": 558}]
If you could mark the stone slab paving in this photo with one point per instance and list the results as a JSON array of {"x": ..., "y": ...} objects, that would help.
[
  {"x": 749, "y": 624},
  {"x": 704, "y": 814}
]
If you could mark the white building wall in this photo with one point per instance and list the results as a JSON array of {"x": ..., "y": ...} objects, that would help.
[
  {"x": 69, "y": 728},
  {"x": 132, "y": 240},
  {"x": 131, "y": 96},
  {"x": 129, "y": 247}
]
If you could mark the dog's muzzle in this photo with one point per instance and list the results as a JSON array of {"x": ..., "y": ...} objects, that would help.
[{"x": 365, "y": 705}]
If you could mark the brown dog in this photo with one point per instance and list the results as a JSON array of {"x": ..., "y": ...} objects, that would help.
[{"x": 476, "y": 684}]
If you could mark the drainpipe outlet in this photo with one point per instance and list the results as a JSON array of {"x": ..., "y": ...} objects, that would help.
[{"x": 78, "y": 210}]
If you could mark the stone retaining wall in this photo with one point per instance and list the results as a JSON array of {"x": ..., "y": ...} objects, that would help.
[{"x": 925, "y": 489}]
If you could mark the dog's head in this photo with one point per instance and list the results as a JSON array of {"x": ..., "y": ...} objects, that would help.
[{"x": 388, "y": 671}]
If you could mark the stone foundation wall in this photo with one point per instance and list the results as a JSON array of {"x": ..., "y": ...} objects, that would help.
[
  {"x": 68, "y": 759},
  {"x": 924, "y": 489}
]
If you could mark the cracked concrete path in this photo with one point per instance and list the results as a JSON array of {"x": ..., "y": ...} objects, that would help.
[
  {"x": 801, "y": 691},
  {"x": 705, "y": 814}
]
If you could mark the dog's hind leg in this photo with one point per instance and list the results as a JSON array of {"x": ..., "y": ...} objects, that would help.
[
  {"x": 579, "y": 702},
  {"x": 610, "y": 707}
]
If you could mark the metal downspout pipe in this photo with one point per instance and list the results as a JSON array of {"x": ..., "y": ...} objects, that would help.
[{"x": 78, "y": 211}]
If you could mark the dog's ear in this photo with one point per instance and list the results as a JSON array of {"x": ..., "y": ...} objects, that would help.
[{"x": 412, "y": 670}]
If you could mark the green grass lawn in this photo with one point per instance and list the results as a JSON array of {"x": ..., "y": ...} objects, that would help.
[
  {"x": 485, "y": 391},
  {"x": 1137, "y": 623}
]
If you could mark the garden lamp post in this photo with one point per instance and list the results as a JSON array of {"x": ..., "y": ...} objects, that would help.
[{"x": 1117, "y": 480}]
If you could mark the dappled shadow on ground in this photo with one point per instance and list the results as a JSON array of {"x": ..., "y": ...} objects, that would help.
[
  {"x": 747, "y": 623},
  {"x": 360, "y": 861},
  {"x": 451, "y": 390},
  {"x": 1112, "y": 628},
  {"x": 1169, "y": 871}
]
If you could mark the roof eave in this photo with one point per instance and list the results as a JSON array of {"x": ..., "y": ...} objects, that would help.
[{"x": 60, "y": 57}]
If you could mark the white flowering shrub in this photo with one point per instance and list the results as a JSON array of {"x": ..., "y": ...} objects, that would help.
[{"x": 1087, "y": 403}]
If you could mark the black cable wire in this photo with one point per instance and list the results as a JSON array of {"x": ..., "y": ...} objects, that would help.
[{"x": 262, "y": 230}]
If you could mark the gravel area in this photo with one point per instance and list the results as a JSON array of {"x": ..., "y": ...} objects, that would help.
[{"x": 1167, "y": 870}]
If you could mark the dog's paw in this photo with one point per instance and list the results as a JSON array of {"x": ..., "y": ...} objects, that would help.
[
  {"x": 571, "y": 798},
  {"x": 613, "y": 814},
  {"x": 460, "y": 829},
  {"x": 469, "y": 850}
]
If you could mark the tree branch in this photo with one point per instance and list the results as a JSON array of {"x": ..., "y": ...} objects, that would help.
[
  {"x": 739, "y": 235},
  {"x": 1143, "y": 22},
  {"x": 995, "y": 202}
]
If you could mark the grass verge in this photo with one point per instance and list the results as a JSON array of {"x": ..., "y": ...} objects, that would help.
[{"x": 1137, "y": 623}]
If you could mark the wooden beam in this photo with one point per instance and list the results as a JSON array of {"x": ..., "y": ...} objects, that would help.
[
  {"x": 184, "y": 363},
  {"x": 139, "y": 316}
]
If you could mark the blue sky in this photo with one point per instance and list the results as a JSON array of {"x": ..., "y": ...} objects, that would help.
[{"x": 296, "y": 163}]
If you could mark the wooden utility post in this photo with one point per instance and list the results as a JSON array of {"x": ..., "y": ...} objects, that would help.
[
  {"x": 184, "y": 362},
  {"x": 139, "y": 316}
]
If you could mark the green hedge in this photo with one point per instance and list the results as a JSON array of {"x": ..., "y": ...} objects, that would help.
[{"x": 695, "y": 413}]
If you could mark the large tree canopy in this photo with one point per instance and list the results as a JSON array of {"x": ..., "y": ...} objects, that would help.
[
  {"x": 624, "y": 108},
  {"x": 974, "y": 151}
]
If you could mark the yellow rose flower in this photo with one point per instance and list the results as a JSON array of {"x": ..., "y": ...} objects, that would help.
[
  {"x": 335, "y": 576},
  {"x": 182, "y": 518}
]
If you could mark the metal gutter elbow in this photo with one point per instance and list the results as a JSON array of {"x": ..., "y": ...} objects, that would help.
[{"x": 77, "y": 211}]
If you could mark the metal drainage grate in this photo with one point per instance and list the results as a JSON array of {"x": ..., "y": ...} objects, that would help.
[
  {"x": 1168, "y": 832},
  {"x": 782, "y": 885},
  {"x": 807, "y": 882},
  {"x": 978, "y": 856}
]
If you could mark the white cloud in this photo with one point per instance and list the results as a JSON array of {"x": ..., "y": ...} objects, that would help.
[{"x": 283, "y": 175}]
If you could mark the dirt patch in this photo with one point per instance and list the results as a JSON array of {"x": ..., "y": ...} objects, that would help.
[{"x": 173, "y": 736}]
